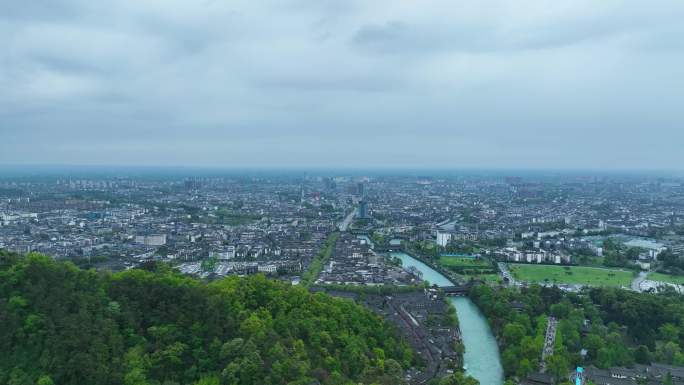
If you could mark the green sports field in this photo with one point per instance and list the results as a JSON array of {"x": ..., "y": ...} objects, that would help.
[
  {"x": 677, "y": 279},
  {"x": 574, "y": 275},
  {"x": 463, "y": 262},
  {"x": 486, "y": 277}
]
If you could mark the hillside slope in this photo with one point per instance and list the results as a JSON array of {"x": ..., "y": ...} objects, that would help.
[{"x": 63, "y": 325}]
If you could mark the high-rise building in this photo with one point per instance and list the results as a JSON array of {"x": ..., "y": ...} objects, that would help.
[
  {"x": 329, "y": 183},
  {"x": 363, "y": 210}
]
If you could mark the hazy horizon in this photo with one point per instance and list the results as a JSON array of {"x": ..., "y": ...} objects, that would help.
[
  {"x": 304, "y": 84},
  {"x": 20, "y": 170}
]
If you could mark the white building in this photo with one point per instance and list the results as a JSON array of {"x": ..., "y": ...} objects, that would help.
[
  {"x": 227, "y": 253},
  {"x": 151, "y": 240},
  {"x": 443, "y": 238},
  {"x": 268, "y": 268}
]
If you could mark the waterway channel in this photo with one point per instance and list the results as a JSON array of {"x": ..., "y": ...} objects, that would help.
[{"x": 481, "y": 357}]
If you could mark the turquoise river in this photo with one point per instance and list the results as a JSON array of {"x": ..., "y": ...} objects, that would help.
[{"x": 482, "y": 353}]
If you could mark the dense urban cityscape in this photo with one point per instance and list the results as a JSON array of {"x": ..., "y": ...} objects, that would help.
[
  {"x": 399, "y": 245},
  {"x": 276, "y": 224}
]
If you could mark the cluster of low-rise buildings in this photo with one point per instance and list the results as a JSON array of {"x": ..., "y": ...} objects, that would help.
[
  {"x": 639, "y": 374},
  {"x": 533, "y": 256},
  {"x": 353, "y": 262},
  {"x": 248, "y": 224},
  {"x": 122, "y": 221}
]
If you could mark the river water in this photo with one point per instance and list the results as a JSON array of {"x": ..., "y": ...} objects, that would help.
[{"x": 482, "y": 353}]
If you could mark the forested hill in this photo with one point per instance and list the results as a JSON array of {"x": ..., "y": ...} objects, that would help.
[{"x": 63, "y": 325}]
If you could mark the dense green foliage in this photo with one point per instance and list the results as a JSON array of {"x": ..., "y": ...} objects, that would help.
[
  {"x": 672, "y": 263},
  {"x": 457, "y": 378},
  {"x": 63, "y": 325},
  {"x": 617, "y": 254},
  {"x": 616, "y": 327}
]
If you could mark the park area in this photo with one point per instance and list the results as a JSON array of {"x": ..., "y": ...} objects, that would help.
[
  {"x": 573, "y": 275},
  {"x": 464, "y": 261},
  {"x": 676, "y": 279},
  {"x": 470, "y": 266}
]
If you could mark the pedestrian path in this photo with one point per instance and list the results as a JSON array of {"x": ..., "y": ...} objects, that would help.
[{"x": 549, "y": 342}]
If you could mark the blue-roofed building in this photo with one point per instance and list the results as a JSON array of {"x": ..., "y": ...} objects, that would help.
[{"x": 579, "y": 376}]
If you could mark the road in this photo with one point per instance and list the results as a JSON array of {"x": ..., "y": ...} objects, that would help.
[
  {"x": 506, "y": 273},
  {"x": 344, "y": 225},
  {"x": 641, "y": 284},
  {"x": 636, "y": 282}
]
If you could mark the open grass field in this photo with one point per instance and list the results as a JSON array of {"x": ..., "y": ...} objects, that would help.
[
  {"x": 463, "y": 262},
  {"x": 676, "y": 279},
  {"x": 574, "y": 275},
  {"x": 486, "y": 277}
]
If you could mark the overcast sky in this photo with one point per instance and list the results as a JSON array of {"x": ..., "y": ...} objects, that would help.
[{"x": 315, "y": 83}]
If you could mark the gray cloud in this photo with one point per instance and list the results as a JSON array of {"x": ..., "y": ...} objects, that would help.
[
  {"x": 47, "y": 10},
  {"x": 483, "y": 36},
  {"x": 343, "y": 83}
]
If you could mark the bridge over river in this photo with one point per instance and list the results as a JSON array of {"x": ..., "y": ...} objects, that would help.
[
  {"x": 481, "y": 358},
  {"x": 456, "y": 290}
]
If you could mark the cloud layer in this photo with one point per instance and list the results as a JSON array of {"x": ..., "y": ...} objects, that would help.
[{"x": 491, "y": 83}]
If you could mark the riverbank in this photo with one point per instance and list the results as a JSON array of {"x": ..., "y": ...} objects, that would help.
[
  {"x": 481, "y": 357},
  {"x": 438, "y": 268},
  {"x": 491, "y": 276}
]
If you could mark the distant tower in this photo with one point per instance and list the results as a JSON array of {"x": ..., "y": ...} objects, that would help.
[
  {"x": 363, "y": 210},
  {"x": 329, "y": 183},
  {"x": 193, "y": 183},
  {"x": 361, "y": 188}
]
